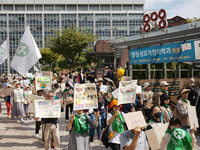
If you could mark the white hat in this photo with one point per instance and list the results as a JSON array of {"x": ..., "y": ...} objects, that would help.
[
  {"x": 146, "y": 84},
  {"x": 99, "y": 79},
  {"x": 163, "y": 83},
  {"x": 17, "y": 83},
  {"x": 26, "y": 86}
]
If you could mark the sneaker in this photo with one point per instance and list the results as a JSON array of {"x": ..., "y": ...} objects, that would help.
[
  {"x": 9, "y": 116},
  {"x": 99, "y": 138},
  {"x": 36, "y": 135},
  {"x": 30, "y": 117},
  {"x": 18, "y": 121},
  {"x": 22, "y": 120},
  {"x": 26, "y": 118}
]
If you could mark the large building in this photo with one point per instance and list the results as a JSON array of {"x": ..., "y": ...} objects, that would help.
[{"x": 44, "y": 15}]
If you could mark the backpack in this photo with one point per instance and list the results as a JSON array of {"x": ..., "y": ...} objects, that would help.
[{"x": 104, "y": 136}]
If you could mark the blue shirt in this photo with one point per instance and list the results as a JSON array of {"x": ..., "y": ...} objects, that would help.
[{"x": 127, "y": 107}]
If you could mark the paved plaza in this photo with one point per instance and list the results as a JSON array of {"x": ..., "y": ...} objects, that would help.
[{"x": 15, "y": 136}]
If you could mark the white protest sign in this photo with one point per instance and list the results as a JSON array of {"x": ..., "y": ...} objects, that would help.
[
  {"x": 115, "y": 93},
  {"x": 134, "y": 119},
  {"x": 18, "y": 96},
  {"x": 104, "y": 88},
  {"x": 43, "y": 83},
  {"x": 31, "y": 108},
  {"x": 124, "y": 78},
  {"x": 29, "y": 75},
  {"x": 192, "y": 116},
  {"x": 127, "y": 92},
  {"x": 155, "y": 135},
  {"x": 47, "y": 108},
  {"x": 139, "y": 89},
  {"x": 85, "y": 96}
]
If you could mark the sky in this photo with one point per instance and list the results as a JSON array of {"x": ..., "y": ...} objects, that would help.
[{"x": 183, "y": 8}]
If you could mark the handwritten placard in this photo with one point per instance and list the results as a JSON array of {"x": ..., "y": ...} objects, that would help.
[
  {"x": 139, "y": 89},
  {"x": 155, "y": 135},
  {"x": 134, "y": 119},
  {"x": 31, "y": 108},
  {"x": 127, "y": 92},
  {"x": 47, "y": 73},
  {"x": 85, "y": 96},
  {"x": 43, "y": 83},
  {"x": 124, "y": 78},
  {"x": 115, "y": 93},
  {"x": 192, "y": 116},
  {"x": 6, "y": 92},
  {"x": 47, "y": 108},
  {"x": 104, "y": 88}
]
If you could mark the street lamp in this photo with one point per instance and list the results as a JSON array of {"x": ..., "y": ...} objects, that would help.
[{"x": 115, "y": 59}]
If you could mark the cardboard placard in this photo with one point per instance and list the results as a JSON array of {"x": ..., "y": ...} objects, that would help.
[
  {"x": 115, "y": 93},
  {"x": 127, "y": 92},
  {"x": 104, "y": 88},
  {"x": 47, "y": 108},
  {"x": 85, "y": 96},
  {"x": 139, "y": 89},
  {"x": 6, "y": 92},
  {"x": 134, "y": 119},
  {"x": 43, "y": 83},
  {"x": 192, "y": 116},
  {"x": 31, "y": 108},
  {"x": 155, "y": 136},
  {"x": 124, "y": 78}
]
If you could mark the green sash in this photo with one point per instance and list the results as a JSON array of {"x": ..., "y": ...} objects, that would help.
[
  {"x": 163, "y": 91},
  {"x": 80, "y": 124},
  {"x": 117, "y": 124}
]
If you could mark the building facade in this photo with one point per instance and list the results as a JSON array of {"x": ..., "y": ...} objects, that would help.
[{"x": 43, "y": 15}]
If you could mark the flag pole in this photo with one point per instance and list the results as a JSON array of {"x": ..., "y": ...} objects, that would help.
[
  {"x": 8, "y": 55},
  {"x": 39, "y": 67}
]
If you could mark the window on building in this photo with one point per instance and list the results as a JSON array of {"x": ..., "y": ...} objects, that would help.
[
  {"x": 94, "y": 7},
  {"x": 38, "y": 7},
  {"x": 71, "y": 7},
  {"x": 49, "y": 7},
  {"x": 83, "y": 7},
  {"x": 127, "y": 7},
  {"x": 30, "y": 7},
  {"x": 60, "y": 7},
  {"x": 138, "y": 7},
  {"x": 19, "y": 7},
  {"x": 116, "y": 7},
  {"x": 7, "y": 7},
  {"x": 105, "y": 7}
]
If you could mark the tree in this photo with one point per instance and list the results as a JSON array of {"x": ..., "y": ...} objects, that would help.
[
  {"x": 62, "y": 64},
  {"x": 192, "y": 20},
  {"x": 70, "y": 43},
  {"x": 49, "y": 58}
]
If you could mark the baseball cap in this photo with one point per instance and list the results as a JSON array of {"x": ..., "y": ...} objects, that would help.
[{"x": 163, "y": 83}]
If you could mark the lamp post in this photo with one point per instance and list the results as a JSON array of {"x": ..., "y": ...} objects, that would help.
[{"x": 115, "y": 59}]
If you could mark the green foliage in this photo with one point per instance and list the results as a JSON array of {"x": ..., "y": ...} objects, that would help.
[
  {"x": 62, "y": 64},
  {"x": 49, "y": 58},
  {"x": 70, "y": 44}
]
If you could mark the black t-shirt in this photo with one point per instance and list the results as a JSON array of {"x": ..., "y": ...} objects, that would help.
[
  {"x": 193, "y": 95},
  {"x": 91, "y": 79}
]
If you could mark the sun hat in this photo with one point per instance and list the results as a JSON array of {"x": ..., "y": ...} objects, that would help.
[
  {"x": 146, "y": 84},
  {"x": 114, "y": 102},
  {"x": 163, "y": 83}
]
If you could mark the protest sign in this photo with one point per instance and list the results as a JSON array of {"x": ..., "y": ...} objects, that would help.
[
  {"x": 29, "y": 75},
  {"x": 6, "y": 92},
  {"x": 104, "y": 88},
  {"x": 47, "y": 73},
  {"x": 134, "y": 119},
  {"x": 192, "y": 116},
  {"x": 155, "y": 135},
  {"x": 85, "y": 96},
  {"x": 47, "y": 108},
  {"x": 32, "y": 105},
  {"x": 25, "y": 82},
  {"x": 43, "y": 83},
  {"x": 18, "y": 96},
  {"x": 139, "y": 89},
  {"x": 38, "y": 74},
  {"x": 127, "y": 92},
  {"x": 124, "y": 78},
  {"x": 115, "y": 93}
]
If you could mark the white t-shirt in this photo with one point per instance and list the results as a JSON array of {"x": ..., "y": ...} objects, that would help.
[{"x": 116, "y": 135}]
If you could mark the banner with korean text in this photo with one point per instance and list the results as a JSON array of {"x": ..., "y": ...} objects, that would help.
[
  {"x": 85, "y": 96},
  {"x": 43, "y": 83},
  {"x": 176, "y": 52}
]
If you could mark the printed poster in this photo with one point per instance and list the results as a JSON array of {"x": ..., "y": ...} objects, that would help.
[
  {"x": 192, "y": 116},
  {"x": 6, "y": 92},
  {"x": 139, "y": 89},
  {"x": 85, "y": 96},
  {"x": 43, "y": 83},
  {"x": 104, "y": 88},
  {"x": 127, "y": 92},
  {"x": 31, "y": 108},
  {"x": 115, "y": 93},
  {"x": 157, "y": 133},
  {"x": 47, "y": 108},
  {"x": 134, "y": 119}
]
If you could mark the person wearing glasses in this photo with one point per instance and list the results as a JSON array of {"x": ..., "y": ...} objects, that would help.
[{"x": 164, "y": 87}]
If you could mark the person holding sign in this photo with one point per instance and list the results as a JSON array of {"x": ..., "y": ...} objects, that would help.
[
  {"x": 166, "y": 111},
  {"x": 116, "y": 122},
  {"x": 181, "y": 109},
  {"x": 155, "y": 117},
  {"x": 177, "y": 138},
  {"x": 134, "y": 139},
  {"x": 27, "y": 93},
  {"x": 78, "y": 126},
  {"x": 8, "y": 101},
  {"x": 18, "y": 106}
]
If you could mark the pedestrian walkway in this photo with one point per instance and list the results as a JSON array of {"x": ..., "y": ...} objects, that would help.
[{"x": 15, "y": 136}]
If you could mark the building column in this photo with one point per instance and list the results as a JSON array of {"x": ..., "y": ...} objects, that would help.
[
  {"x": 148, "y": 71},
  {"x": 111, "y": 33},
  {"x": 179, "y": 69},
  {"x": 164, "y": 71}
]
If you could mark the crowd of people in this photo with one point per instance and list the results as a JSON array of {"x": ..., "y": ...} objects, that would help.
[{"x": 82, "y": 124}]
